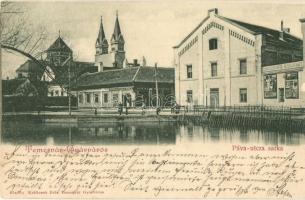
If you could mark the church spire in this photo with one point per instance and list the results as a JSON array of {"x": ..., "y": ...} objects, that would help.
[
  {"x": 101, "y": 41},
  {"x": 101, "y": 33},
  {"x": 117, "y": 30}
]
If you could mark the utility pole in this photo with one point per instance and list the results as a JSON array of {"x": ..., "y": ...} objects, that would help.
[
  {"x": 69, "y": 89},
  {"x": 157, "y": 92}
]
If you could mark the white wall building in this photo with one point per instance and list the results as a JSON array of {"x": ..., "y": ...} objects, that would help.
[{"x": 222, "y": 61}]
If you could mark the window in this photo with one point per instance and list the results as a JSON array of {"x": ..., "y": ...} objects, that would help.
[
  {"x": 189, "y": 71},
  {"x": 213, "y": 44},
  {"x": 189, "y": 96},
  {"x": 243, "y": 95},
  {"x": 62, "y": 93},
  {"x": 96, "y": 98},
  {"x": 243, "y": 66},
  {"x": 56, "y": 93},
  {"x": 292, "y": 85},
  {"x": 115, "y": 99},
  {"x": 88, "y": 99},
  {"x": 52, "y": 93},
  {"x": 19, "y": 75},
  {"x": 80, "y": 98},
  {"x": 105, "y": 97},
  {"x": 270, "y": 86},
  {"x": 121, "y": 47},
  {"x": 214, "y": 69}
]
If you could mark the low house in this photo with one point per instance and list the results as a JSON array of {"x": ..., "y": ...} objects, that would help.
[
  {"x": 59, "y": 84},
  {"x": 22, "y": 94},
  {"x": 30, "y": 70},
  {"x": 129, "y": 86}
]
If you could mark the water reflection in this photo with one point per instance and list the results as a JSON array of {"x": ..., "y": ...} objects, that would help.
[{"x": 137, "y": 133}]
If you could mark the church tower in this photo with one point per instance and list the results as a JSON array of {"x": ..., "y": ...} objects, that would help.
[
  {"x": 117, "y": 44},
  {"x": 101, "y": 44},
  {"x": 58, "y": 52}
]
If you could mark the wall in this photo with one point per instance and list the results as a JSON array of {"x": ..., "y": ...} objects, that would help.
[
  {"x": 233, "y": 44},
  {"x": 100, "y": 92},
  {"x": 276, "y": 52},
  {"x": 57, "y": 91},
  {"x": 190, "y": 57},
  {"x": 280, "y": 71}
]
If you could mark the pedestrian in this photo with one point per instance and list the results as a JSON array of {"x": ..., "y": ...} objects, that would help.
[
  {"x": 174, "y": 107},
  {"x": 158, "y": 110},
  {"x": 143, "y": 108},
  {"x": 177, "y": 108},
  {"x": 120, "y": 108},
  {"x": 95, "y": 111},
  {"x": 126, "y": 111}
]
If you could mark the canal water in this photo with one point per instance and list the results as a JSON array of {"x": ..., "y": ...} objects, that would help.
[{"x": 144, "y": 133}]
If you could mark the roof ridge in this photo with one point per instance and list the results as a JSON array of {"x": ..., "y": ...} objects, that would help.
[
  {"x": 234, "y": 20},
  {"x": 260, "y": 26}
]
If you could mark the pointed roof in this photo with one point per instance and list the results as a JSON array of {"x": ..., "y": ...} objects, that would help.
[
  {"x": 59, "y": 45},
  {"x": 117, "y": 30},
  {"x": 101, "y": 34}
]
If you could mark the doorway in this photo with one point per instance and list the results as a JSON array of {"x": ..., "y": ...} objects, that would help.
[{"x": 214, "y": 97}]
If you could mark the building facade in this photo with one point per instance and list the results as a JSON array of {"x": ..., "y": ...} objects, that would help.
[
  {"x": 129, "y": 86},
  {"x": 221, "y": 62},
  {"x": 284, "y": 84}
]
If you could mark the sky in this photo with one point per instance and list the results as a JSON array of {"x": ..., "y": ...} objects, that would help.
[{"x": 150, "y": 28}]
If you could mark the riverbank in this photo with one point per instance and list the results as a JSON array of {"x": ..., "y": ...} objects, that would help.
[
  {"x": 226, "y": 119},
  {"x": 89, "y": 117}
]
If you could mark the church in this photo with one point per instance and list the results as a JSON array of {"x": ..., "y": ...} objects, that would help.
[{"x": 114, "y": 58}]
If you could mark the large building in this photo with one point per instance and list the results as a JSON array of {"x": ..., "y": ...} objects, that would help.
[{"x": 226, "y": 62}]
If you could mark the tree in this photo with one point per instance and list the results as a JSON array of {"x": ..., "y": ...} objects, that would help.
[{"x": 18, "y": 35}]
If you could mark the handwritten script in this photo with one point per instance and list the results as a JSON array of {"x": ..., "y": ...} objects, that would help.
[{"x": 135, "y": 172}]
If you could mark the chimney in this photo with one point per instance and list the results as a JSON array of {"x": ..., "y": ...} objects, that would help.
[
  {"x": 213, "y": 12},
  {"x": 135, "y": 62},
  {"x": 282, "y": 25},
  {"x": 286, "y": 30},
  {"x": 303, "y": 32}
]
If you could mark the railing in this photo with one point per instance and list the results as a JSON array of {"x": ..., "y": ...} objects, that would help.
[
  {"x": 204, "y": 110},
  {"x": 248, "y": 109}
]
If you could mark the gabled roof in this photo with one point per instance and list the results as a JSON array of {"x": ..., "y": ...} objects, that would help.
[
  {"x": 76, "y": 70},
  {"x": 30, "y": 67},
  {"x": 193, "y": 31},
  {"x": 251, "y": 28},
  {"x": 127, "y": 76},
  {"x": 256, "y": 30},
  {"x": 147, "y": 74},
  {"x": 59, "y": 45}
]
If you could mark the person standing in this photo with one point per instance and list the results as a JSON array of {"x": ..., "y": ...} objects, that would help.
[{"x": 120, "y": 108}]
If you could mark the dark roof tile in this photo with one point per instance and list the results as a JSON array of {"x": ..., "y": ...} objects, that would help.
[{"x": 131, "y": 75}]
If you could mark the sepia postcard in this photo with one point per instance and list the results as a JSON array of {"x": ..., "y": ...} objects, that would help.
[{"x": 152, "y": 99}]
